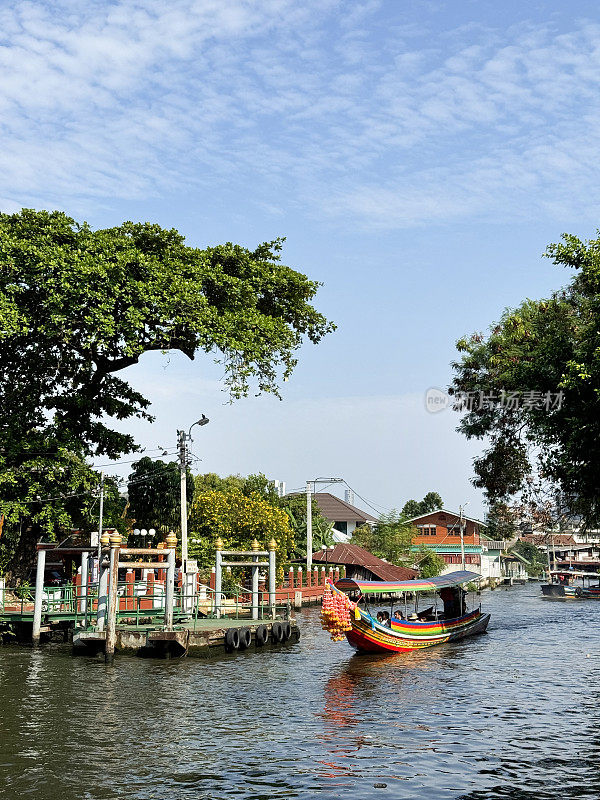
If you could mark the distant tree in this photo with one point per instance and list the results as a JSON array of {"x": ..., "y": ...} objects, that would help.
[
  {"x": 210, "y": 481},
  {"x": 415, "y": 508},
  {"x": 501, "y": 521},
  {"x": 257, "y": 484},
  {"x": 539, "y": 368},
  {"x": 428, "y": 562},
  {"x": 154, "y": 489},
  {"x": 431, "y": 502},
  {"x": 411, "y": 509},
  {"x": 238, "y": 520},
  {"x": 391, "y": 538},
  {"x": 294, "y": 506},
  {"x": 536, "y": 558}
]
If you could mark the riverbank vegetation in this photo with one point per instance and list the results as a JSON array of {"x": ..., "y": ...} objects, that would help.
[{"x": 531, "y": 389}]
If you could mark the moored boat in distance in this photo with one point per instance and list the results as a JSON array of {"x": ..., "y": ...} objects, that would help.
[
  {"x": 560, "y": 586},
  {"x": 398, "y": 631}
]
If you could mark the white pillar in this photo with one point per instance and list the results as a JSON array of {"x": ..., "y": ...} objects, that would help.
[
  {"x": 113, "y": 598},
  {"x": 83, "y": 603},
  {"x": 218, "y": 578},
  {"x": 39, "y": 590},
  {"x": 170, "y": 590},
  {"x": 272, "y": 576},
  {"x": 102, "y": 597}
]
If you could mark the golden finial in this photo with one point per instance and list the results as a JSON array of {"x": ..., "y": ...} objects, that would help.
[
  {"x": 255, "y": 545},
  {"x": 171, "y": 540},
  {"x": 115, "y": 539},
  {"x": 105, "y": 539},
  {"x": 219, "y": 543},
  {"x": 272, "y": 545}
]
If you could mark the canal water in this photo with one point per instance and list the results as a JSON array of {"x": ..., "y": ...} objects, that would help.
[{"x": 511, "y": 714}]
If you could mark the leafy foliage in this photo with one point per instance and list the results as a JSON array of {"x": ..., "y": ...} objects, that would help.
[
  {"x": 238, "y": 520},
  {"x": 391, "y": 538},
  {"x": 501, "y": 521},
  {"x": 78, "y": 306},
  {"x": 429, "y": 562},
  {"x": 45, "y": 492},
  {"x": 322, "y": 528},
  {"x": 154, "y": 490},
  {"x": 542, "y": 348},
  {"x": 537, "y": 558},
  {"x": 415, "y": 508},
  {"x": 257, "y": 484}
]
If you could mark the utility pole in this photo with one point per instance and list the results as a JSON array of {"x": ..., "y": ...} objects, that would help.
[
  {"x": 309, "y": 543},
  {"x": 462, "y": 536},
  {"x": 310, "y": 488},
  {"x": 182, "y": 439},
  {"x": 183, "y": 464}
]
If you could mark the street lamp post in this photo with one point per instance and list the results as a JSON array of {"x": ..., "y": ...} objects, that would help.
[{"x": 182, "y": 439}]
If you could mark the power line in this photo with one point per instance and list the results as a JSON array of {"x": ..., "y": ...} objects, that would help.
[{"x": 379, "y": 510}]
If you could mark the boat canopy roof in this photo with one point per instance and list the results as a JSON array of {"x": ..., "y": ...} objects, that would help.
[{"x": 418, "y": 585}]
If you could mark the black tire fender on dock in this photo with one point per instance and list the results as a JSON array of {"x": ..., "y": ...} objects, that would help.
[
  {"x": 245, "y": 638},
  {"x": 261, "y": 635},
  {"x": 286, "y": 630},
  {"x": 276, "y": 632},
  {"x": 232, "y": 639}
]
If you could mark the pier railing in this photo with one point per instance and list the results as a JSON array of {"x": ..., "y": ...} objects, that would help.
[{"x": 141, "y": 602}]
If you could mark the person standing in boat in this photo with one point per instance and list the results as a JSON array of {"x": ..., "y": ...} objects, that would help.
[{"x": 454, "y": 601}]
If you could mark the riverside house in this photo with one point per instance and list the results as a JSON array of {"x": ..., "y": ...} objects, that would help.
[{"x": 440, "y": 530}]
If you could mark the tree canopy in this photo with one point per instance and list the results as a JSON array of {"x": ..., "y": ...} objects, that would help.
[
  {"x": 154, "y": 490},
  {"x": 238, "y": 519},
  {"x": 415, "y": 508},
  {"x": 79, "y": 306},
  {"x": 391, "y": 538},
  {"x": 531, "y": 388}
]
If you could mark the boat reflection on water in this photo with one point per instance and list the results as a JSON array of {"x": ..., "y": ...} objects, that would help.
[{"x": 351, "y": 713}]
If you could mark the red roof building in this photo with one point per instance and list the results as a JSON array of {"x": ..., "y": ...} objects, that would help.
[{"x": 362, "y": 565}]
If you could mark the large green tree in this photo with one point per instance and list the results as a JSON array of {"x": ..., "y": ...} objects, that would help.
[
  {"x": 391, "y": 538},
  {"x": 154, "y": 493},
  {"x": 79, "y": 306},
  {"x": 531, "y": 390},
  {"x": 415, "y": 508}
]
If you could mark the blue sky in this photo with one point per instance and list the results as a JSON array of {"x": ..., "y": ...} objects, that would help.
[{"x": 418, "y": 156}]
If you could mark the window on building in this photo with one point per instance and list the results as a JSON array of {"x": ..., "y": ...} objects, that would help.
[
  {"x": 426, "y": 530},
  {"x": 342, "y": 527}
]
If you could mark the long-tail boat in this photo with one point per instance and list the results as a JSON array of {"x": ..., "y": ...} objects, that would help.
[{"x": 371, "y": 634}]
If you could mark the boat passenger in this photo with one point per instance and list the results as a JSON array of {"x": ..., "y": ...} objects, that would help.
[
  {"x": 398, "y": 614},
  {"x": 386, "y": 619},
  {"x": 413, "y": 617}
]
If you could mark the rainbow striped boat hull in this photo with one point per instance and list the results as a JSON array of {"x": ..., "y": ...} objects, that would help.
[
  {"x": 368, "y": 636},
  {"x": 588, "y": 592}
]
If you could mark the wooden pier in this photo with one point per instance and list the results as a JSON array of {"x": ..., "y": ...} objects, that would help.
[
  {"x": 153, "y": 616},
  {"x": 205, "y": 638}
]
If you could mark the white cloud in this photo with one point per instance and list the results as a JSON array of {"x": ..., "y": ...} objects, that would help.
[{"x": 308, "y": 101}]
